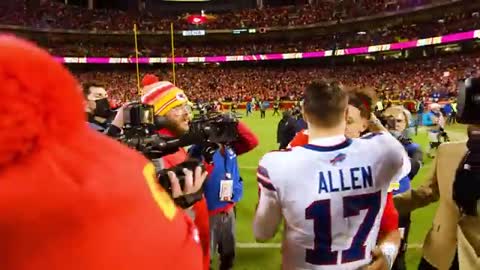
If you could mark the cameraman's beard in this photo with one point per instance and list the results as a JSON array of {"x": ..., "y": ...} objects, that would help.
[{"x": 174, "y": 127}]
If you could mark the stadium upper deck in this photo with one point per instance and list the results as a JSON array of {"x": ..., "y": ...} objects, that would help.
[{"x": 56, "y": 15}]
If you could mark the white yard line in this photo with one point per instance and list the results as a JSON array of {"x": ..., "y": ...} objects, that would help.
[
  {"x": 248, "y": 167},
  {"x": 278, "y": 245}
]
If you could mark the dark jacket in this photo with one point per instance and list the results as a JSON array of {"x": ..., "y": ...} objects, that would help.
[{"x": 286, "y": 130}]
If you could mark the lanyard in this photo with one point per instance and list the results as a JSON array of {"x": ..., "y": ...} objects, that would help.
[{"x": 224, "y": 154}]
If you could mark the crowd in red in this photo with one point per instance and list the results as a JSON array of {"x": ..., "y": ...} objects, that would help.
[
  {"x": 381, "y": 35},
  {"x": 57, "y": 15},
  {"x": 395, "y": 80}
]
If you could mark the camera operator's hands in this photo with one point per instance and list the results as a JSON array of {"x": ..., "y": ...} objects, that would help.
[
  {"x": 375, "y": 125},
  {"x": 118, "y": 120},
  {"x": 193, "y": 182}
]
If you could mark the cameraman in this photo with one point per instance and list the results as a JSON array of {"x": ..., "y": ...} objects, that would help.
[
  {"x": 396, "y": 120},
  {"x": 453, "y": 242},
  {"x": 439, "y": 247},
  {"x": 223, "y": 189},
  {"x": 99, "y": 114},
  {"x": 172, "y": 103}
]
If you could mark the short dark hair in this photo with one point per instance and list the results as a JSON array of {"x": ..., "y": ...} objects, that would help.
[
  {"x": 325, "y": 102},
  {"x": 86, "y": 87}
]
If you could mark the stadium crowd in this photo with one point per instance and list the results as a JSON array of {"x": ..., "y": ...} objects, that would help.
[
  {"x": 395, "y": 80},
  {"x": 381, "y": 35},
  {"x": 53, "y": 14}
]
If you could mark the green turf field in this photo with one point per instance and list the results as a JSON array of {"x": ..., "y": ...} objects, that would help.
[{"x": 266, "y": 257}]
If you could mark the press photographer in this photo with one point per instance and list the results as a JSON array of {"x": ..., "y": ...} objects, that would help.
[
  {"x": 224, "y": 186},
  {"x": 98, "y": 110},
  {"x": 171, "y": 105},
  {"x": 453, "y": 242}
]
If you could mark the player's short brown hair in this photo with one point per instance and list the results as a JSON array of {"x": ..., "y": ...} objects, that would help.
[
  {"x": 87, "y": 85},
  {"x": 325, "y": 103},
  {"x": 363, "y": 99}
]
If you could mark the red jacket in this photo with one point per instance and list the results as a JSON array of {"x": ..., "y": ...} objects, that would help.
[
  {"x": 200, "y": 208},
  {"x": 247, "y": 140},
  {"x": 71, "y": 198},
  {"x": 389, "y": 220}
]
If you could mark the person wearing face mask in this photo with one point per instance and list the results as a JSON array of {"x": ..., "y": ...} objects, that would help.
[
  {"x": 98, "y": 110},
  {"x": 358, "y": 121}
]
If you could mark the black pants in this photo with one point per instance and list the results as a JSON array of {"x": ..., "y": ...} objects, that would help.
[
  {"x": 262, "y": 114},
  {"x": 452, "y": 118},
  {"x": 275, "y": 111},
  {"x": 222, "y": 238},
  {"x": 424, "y": 265}
]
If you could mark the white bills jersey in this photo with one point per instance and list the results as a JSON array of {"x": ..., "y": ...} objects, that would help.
[{"x": 331, "y": 198}]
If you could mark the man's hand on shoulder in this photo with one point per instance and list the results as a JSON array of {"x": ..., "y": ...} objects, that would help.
[{"x": 375, "y": 125}]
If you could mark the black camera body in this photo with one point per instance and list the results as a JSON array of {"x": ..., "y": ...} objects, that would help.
[
  {"x": 218, "y": 128},
  {"x": 468, "y": 101},
  {"x": 190, "y": 164},
  {"x": 136, "y": 114},
  {"x": 466, "y": 187},
  {"x": 388, "y": 122},
  {"x": 139, "y": 131},
  {"x": 164, "y": 181},
  {"x": 208, "y": 129}
]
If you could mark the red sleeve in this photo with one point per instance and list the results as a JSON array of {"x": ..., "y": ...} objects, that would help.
[
  {"x": 389, "y": 220},
  {"x": 247, "y": 139},
  {"x": 189, "y": 249},
  {"x": 300, "y": 139},
  {"x": 202, "y": 222}
]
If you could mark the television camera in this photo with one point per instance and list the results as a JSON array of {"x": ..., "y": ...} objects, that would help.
[{"x": 209, "y": 129}]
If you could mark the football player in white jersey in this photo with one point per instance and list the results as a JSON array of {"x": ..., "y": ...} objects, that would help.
[{"x": 330, "y": 192}]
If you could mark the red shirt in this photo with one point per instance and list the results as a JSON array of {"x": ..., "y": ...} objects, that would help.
[
  {"x": 87, "y": 203},
  {"x": 389, "y": 220}
]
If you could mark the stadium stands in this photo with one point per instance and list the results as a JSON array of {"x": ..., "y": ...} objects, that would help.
[
  {"x": 395, "y": 80},
  {"x": 57, "y": 15},
  {"x": 381, "y": 35}
]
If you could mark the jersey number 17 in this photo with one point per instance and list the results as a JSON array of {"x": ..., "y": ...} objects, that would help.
[{"x": 319, "y": 211}]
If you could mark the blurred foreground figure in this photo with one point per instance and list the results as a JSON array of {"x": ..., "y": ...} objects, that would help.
[{"x": 71, "y": 198}]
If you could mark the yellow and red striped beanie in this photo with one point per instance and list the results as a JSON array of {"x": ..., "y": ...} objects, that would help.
[{"x": 164, "y": 96}]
